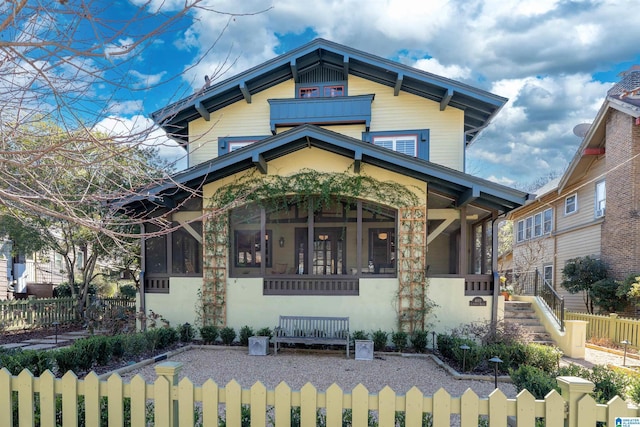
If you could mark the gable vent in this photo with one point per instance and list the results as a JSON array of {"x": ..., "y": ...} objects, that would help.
[{"x": 322, "y": 74}]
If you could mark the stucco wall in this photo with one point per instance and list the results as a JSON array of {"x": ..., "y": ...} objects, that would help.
[
  {"x": 375, "y": 307},
  {"x": 453, "y": 307}
]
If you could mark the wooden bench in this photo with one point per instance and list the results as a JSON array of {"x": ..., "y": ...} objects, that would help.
[{"x": 311, "y": 330}]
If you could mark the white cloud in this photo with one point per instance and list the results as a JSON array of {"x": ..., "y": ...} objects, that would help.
[
  {"x": 541, "y": 54},
  {"x": 140, "y": 130}
]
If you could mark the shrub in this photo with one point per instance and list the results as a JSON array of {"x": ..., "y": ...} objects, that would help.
[
  {"x": 608, "y": 383},
  {"x": 209, "y": 334},
  {"x": 128, "y": 291},
  {"x": 379, "y": 340},
  {"x": 543, "y": 356},
  {"x": 512, "y": 355},
  {"x": 537, "y": 381},
  {"x": 419, "y": 341},
  {"x": 245, "y": 333},
  {"x": 35, "y": 361},
  {"x": 359, "y": 335},
  {"x": 66, "y": 359},
  {"x": 117, "y": 345},
  {"x": 399, "y": 340},
  {"x": 186, "y": 332},
  {"x": 167, "y": 337},
  {"x": 227, "y": 335},
  {"x": 264, "y": 332},
  {"x": 136, "y": 344},
  {"x": 470, "y": 358},
  {"x": 634, "y": 390}
]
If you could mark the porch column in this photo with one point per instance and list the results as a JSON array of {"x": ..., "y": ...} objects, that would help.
[
  {"x": 494, "y": 268},
  {"x": 463, "y": 258}
]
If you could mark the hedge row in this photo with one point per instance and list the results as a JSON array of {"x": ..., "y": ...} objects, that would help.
[
  {"x": 87, "y": 353},
  {"x": 513, "y": 354}
]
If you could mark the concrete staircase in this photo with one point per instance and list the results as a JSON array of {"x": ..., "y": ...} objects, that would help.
[{"x": 521, "y": 313}]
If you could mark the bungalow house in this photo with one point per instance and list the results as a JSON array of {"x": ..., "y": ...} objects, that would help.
[
  {"x": 594, "y": 208},
  {"x": 328, "y": 182}
]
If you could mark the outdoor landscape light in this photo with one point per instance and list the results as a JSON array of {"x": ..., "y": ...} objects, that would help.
[
  {"x": 624, "y": 359},
  {"x": 464, "y": 349},
  {"x": 496, "y": 361}
]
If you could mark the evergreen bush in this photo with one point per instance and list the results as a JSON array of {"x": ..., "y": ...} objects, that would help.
[
  {"x": 245, "y": 333},
  {"x": 227, "y": 335},
  {"x": 209, "y": 334}
]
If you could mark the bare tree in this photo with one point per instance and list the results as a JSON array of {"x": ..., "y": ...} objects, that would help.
[
  {"x": 57, "y": 60},
  {"x": 59, "y": 165}
]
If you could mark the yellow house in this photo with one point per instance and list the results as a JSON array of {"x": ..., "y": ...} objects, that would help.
[
  {"x": 328, "y": 182},
  {"x": 592, "y": 210}
]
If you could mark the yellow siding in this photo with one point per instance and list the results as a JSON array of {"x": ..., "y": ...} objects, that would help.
[
  {"x": 239, "y": 119},
  {"x": 324, "y": 161},
  {"x": 388, "y": 112},
  {"x": 407, "y": 111},
  {"x": 180, "y": 304}
]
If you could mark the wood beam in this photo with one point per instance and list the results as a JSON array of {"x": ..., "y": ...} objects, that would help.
[
  {"x": 204, "y": 113},
  {"x": 357, "y": 161},
  {"x": 446, "y": 99},
  {"x": 294, "y": 70},
  {"x": 245, "y": 92},
  {"x": 468, "y": 196},
  {"x": 345, "y": 63},
  {"x": 260, "y": 163},
  {"x": 396, "y": 89}
]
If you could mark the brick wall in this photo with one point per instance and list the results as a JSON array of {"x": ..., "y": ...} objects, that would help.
[{"x": 621, "y": 229}]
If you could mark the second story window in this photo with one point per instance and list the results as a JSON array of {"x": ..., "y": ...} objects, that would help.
[
  {"x": 534, "y": 226},
  {"x": 405, "y": 144},
  {"x": 309, "y": 92},
  {"x": 601, "y": 199},
  {"x": 571, "y": 204},
  {"x": 317, "y": 90}
]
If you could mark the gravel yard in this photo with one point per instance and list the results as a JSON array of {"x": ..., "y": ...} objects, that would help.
[{"x": 320, "y": 368}]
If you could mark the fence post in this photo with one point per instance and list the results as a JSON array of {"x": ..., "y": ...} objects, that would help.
[
  {"x": 170, "y": 371},
  {"x": 613, "y": 320},
  {"x": 572, "y": 390}
]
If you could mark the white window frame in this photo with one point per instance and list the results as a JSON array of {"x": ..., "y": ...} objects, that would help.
[
  {"x": 545, "y": 268},
  {"x": 537, "y": 225},
  {"x": 236, "y": 145},
  {"x": 547, "y": 223},
  {"x": 520, "y": 231},
  {"x": 567, "y": 205},
  {"x": 600, "y": 199},
  {"x": 384, "y": 140},
  {"x": 528, "y": 228}
]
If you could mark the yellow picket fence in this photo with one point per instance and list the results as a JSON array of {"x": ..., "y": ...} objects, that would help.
[
  {"x": 182, "y": 403},
  {"x": 612, "y": 327}
]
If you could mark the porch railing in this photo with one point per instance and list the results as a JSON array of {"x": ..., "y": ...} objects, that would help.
[
  {"x": 533, "y": 283},
  {"x": 478, "y": 284},
  {"x": 296, "y": 285},
  {"x": 156, "y": 285}
]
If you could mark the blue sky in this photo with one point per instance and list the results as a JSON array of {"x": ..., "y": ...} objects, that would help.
[{"x": 554, "y": 60}]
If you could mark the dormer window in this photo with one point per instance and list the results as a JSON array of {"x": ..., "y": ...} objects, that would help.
[
  {"x": 317, "y": 90},
  {"x": 309, "y": 92}
]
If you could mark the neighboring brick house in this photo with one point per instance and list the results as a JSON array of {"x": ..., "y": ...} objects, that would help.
[
  {"x": 320, "y": 119},
  {"x": 594, "y": 208}
]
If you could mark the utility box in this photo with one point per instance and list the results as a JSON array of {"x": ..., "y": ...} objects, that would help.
[
  {"x": 364, "y": 349},
  {"x": 258, "y": 346}
]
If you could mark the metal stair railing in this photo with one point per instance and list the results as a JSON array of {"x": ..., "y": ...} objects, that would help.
[{"x": 553, "y": 300}]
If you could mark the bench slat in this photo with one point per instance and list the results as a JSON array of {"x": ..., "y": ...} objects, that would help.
[{"x": 312, "y": 330}]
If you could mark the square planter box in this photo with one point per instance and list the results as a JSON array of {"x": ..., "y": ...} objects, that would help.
[
  {"x": 364, "y": 349},
  {"x": 258, "y": 346}
]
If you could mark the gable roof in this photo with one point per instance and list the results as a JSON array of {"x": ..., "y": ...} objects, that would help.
[
  {"x": 478, "y": 105},
  {"x": 596, "y": 135},
  {"x": 462, "y": 187}
]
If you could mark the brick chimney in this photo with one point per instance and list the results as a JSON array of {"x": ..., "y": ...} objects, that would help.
[{"x": 621, "y": 229}]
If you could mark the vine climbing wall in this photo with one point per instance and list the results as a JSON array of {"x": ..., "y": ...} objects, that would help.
[
  {"x": 214, "y": 278},
  {"x": 413, "y": 305}
]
